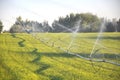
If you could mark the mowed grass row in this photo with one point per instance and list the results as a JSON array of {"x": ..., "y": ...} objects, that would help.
[{"x": 27, "y": 57}]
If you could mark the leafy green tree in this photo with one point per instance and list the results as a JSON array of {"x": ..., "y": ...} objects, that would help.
[
  {"x": 118, "y": 25},
  {"x": 1, "y": 26},
  {"x": 17, "y": 27},
  {"x": 29, "y": 26},
  {"x": 110, "y": 27},
  {"x": 89, "y": 22}
]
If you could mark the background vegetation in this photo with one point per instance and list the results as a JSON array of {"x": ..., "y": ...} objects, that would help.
[{"x": 88, "y": 23}]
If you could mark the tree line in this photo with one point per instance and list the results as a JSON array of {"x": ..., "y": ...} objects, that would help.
[
  {"x": 29, "y": 26},
  {"x": 87, "y": 22}
]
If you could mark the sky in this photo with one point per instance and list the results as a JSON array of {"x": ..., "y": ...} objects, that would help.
[{"x": 50, "y": 10}]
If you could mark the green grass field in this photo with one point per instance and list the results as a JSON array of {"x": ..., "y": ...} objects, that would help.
[{"x": 40, "y": 56}]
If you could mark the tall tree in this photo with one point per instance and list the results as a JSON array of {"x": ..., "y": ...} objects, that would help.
[
  {"x": 110, "y": 27},
  {"x": 29, "y": 26},
  {"x": 89, "y": 23},
  {"x": 17, "y": 27},
  {"x": 118, "y": 25},
  {"x": 1, "y": 26}
]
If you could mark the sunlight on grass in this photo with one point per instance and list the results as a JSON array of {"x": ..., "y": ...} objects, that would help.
[{"x": 22, "y": 57}]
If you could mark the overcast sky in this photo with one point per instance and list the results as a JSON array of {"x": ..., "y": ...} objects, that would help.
[{"x": 40, "y": 10}]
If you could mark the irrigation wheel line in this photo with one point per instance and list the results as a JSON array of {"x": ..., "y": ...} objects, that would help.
[
  {"x": 89, "y": 59},
  {"x": 97, "y": 60}
]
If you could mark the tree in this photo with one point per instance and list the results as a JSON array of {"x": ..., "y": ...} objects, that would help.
[
  {"x": 118, "y": 25},
  {"x": 46, "y": 26},
  {"x": 89, "y": 23},
  {"x": 110, "y": 27},
  {"x": 1, "y": 26},
  {"x": 18, "y": 26},
  {"x": 19, "y": 19},
  {"x": 21, "y": 26},
  {"x": 15, "y": 29}
]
